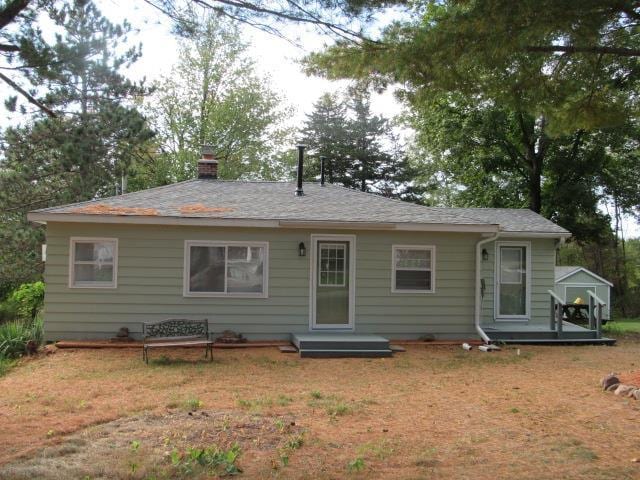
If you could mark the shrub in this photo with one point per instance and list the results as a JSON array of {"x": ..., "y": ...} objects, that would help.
[
  {"x": 18, "y": 337},
  {"x": 8, "y": 311},
  {"x": 28, "y": 299}
]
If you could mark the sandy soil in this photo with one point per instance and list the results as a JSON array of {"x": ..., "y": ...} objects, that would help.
[{"x": 432, "y": 412}]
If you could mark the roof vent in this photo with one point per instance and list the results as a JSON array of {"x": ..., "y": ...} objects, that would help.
[
  {"x": 299, "y": 192},
  {"x": 207, "y": 165}
]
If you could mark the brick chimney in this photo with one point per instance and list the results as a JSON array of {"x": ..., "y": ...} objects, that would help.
[{"x": 207, "y": 165}]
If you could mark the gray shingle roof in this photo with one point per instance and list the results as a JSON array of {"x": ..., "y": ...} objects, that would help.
[{"x": 276, "y": 201}]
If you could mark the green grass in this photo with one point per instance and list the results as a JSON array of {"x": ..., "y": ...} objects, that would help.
[{"x": 622, "y": 326}]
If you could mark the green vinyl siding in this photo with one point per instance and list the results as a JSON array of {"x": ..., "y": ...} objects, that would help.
[
  {"x": 150, "y": 284},
  {"x": 542, "y": 279}
]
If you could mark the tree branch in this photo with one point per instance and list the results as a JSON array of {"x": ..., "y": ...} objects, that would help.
[
  {"x": 30, "y": 98},
  {"x": 11, "y": 11},
  {"x": 619, "y": 51},
  {"x": 4, "y": 47}
]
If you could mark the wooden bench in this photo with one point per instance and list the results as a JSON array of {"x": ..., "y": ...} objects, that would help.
[{"x": 176, "y": 332}]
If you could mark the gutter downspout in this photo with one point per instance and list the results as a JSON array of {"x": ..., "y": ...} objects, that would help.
[{"x": 478, "y": 302}]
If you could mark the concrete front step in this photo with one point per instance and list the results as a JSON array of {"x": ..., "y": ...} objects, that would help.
[
  {"x": 342, "y": 353},
  {"x": 321, "y": 344}
]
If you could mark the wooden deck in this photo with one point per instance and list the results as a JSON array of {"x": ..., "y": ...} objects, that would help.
[{"x": 521, "y": 332}]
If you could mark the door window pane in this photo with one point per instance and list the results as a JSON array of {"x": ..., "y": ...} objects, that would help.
[
  {"x": 513, "y": 281},
  {"x": 332, "y": 264}
]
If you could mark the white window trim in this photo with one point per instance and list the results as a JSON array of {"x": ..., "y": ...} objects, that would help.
[
  {"x": 222, "y": 243},
  {"x": 430, "y": 248},
  {"x": 313, "y": 281},
  {"x": 496, "y": 300},
  {"x": 72, "y": 257}
]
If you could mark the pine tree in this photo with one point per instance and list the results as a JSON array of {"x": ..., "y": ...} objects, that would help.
[
  {"x": 82, "y": 152},
  {"x": 361, "y": 149}
]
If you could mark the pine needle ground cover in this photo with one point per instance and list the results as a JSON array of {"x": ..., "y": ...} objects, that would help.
[{"x": 432, "y": 412}]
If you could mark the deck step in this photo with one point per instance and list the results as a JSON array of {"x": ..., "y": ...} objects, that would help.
[
  {"x": 342, "y": 353},
  {"x": 573, "y": 341},
  {"x": 542, "y": 334}
]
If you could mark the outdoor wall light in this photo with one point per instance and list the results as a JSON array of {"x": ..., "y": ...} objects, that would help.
[
  {"x": 485, "y": 254},
  {"x": 302, "y": 251}
]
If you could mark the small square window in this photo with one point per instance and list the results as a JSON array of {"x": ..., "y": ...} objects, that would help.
[
  {"x": 93, "y": 263},
  {"x": 412, "y": 269}
]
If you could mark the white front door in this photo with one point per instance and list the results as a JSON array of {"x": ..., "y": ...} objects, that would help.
[
  {"x": 332, "y": 282},
  {"x": 513, "y": 280}
]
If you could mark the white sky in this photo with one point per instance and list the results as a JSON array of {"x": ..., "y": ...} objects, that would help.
[{"x": 276, "y": 58}]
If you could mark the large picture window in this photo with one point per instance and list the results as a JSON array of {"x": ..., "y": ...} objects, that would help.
[
  {"x": 413, "y": 269},
  {"x": 226, "y": 269},
  {"x": 93, "y": 262}
]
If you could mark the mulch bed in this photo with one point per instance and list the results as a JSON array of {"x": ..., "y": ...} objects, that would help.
[{"x": 630, "y": 378}]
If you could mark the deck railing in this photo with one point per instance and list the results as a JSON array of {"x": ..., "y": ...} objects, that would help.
[
  {"x": 596, "y": 305},
  {"x": 555, "y": 317}
]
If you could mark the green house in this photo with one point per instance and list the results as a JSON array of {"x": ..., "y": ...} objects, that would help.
[{"x": 272, "y": 259}]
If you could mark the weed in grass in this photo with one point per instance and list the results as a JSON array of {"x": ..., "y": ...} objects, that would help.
[
  {"x": 255, "y": 405},
  {"x": 280, "y": 425},
  {"x": 293, "y": 443},
  {"x": 5, "y": 365},
  {"x": 335, "y": 406},
  {"x": 193, "y": 404},
  {"x": 356, "y": 465},
  {"x": 339, "y": 409},
  {"x": 135, "y": 445},
  {"x": 283, "y": 400},
  {"x": 380, "y": 450},
  {"x": 575, "y": 449},
  {"x": 515, "y": 410},
  {"x": 316, "y": 394},
  {"x": 212, "y": 460}
]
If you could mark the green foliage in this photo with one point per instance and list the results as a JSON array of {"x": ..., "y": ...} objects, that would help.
[
  {"x": 361, "y": 149},
  {"x": 212, "y": 460},
  {"x": 5, "y": 365},
  {"x": 356, "y": 465},
  {"x": 17, "y": 337},
  {"x": 29, "y": 299},
  {"x": 193, "y": 404},
  {"x": 214, "y": 96},
  {"x": 507, "y": 52},
  {"x": 81, "y": 152}
]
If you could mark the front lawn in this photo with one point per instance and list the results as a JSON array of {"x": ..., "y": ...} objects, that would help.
[
  {"x": 622, "y": 326},
  {"x": 432, "y": 412}
]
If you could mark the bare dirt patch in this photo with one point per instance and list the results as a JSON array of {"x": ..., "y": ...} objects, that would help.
[
  {"x": 433, "y": 412},
  {"x": 157, "y": 446}
]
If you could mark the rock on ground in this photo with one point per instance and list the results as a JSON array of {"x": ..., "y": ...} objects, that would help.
[{"x": 609, "y": 380}]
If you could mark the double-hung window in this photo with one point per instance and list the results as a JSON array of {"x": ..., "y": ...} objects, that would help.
[
  {"x": 214, "y": 269},
  {"x": 413, "y": 269},
  {"x": 93, "y": 262}
]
